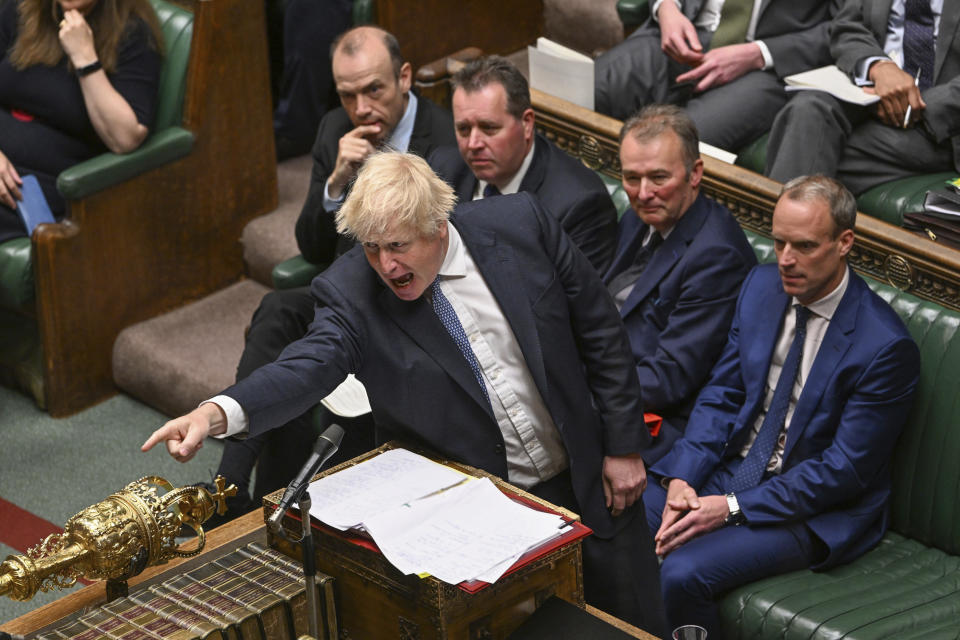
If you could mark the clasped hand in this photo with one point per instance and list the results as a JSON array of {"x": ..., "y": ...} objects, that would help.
[
  {"x": 678, "y": 39},
  {"x": 687, "y": 515},
  {"x": 76, "y": 38}
]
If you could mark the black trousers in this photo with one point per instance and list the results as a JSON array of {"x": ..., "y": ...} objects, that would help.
[{"x": 621, "y": 574}]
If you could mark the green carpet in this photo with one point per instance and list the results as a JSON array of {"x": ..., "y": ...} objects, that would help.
[{"x": 57, "y": 467}]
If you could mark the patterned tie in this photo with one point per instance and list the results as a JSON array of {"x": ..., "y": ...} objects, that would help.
[
  {"x": 640, "y": 261},
  {"x": 451, "y": 323},
  {"x": 918, "y": 41},
  {"x": 755, "y": 463},
  {"x": 490, "y": 190},
  {"x": 734, "y": 22}
]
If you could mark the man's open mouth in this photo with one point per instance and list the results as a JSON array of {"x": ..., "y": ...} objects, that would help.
[{"x": 402, "y": 281}]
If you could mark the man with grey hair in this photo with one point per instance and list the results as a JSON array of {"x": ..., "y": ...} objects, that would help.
[
  {"x": 784, "y": 464},
  {"x": 677, "y": 269},
  {"x": 487, "y": 337},
  {"x": 498, "y": 152}
]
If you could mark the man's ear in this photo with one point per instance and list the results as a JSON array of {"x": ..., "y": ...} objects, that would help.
[
  {"x": 845, "y": 241},
  {"x": 406, "y": 77},
  {"x": 696, "y": 174},
  {"x": 528, "y": 119}
]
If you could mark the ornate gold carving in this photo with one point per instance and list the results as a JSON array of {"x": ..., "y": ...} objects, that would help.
[
  {"x": 115, "y": 539},
  {"x": 899, "y": 272}
]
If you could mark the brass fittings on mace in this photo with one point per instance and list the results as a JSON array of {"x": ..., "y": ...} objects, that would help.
[{"x": 117, "y": 538}]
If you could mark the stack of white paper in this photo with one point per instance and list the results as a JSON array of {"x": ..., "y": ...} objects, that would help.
[
  {"x": 348, "y": 498},
  {"x": 562, "y": 72},
  {"x": 430, "y": 519}
]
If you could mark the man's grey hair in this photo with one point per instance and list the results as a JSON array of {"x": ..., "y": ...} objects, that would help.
[
  {"x": 652, "y": 120},
  {"x": 839, "y": 200}
]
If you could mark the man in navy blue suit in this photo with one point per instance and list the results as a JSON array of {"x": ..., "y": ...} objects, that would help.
[
  {"x": 498, "y": 152},
  {"x": 487, "y": 337},
  {"x": 677, "y": 269},
  {"x": 784, "y": 464}
]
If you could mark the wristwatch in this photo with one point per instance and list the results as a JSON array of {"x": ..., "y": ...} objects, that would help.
[{"x": 735, "y": 517}]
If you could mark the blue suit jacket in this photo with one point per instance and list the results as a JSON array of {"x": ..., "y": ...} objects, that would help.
[
  {"x": 678, "y": 314},
  {"x": 420, "y": 387},
  {"x": 574, "y": 194},
  {"x": 836, "y": 474}
]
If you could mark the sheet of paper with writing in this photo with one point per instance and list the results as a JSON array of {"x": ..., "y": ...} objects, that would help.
[
  {"x": 348, "y": 498},
  {"x": 470, "y": 532}
]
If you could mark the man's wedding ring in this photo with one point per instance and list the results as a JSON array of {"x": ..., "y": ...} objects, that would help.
[{"x": 62, "y": 22}]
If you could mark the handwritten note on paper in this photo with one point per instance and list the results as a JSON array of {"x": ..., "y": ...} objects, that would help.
[
  {"x": 477, "y": 533},
  {"x": 348, "y": 498}
]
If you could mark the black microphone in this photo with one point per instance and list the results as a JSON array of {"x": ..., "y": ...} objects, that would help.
[{"x": 327, "y": 445}]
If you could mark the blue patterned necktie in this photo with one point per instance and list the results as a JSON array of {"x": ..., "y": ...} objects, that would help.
[
  {"x": 750, "y": 471},
  {"x": 918, "y": 41},
  {"x": 490, "y": 190},
  {"x": 451, "y": 323}
]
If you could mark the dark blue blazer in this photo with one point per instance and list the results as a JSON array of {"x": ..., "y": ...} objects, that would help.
[
  {"x": 836, "y": 465},
  {"x": 574, "y": 194},
  {"x": 678, "y": 314},
  {"x": 420, "y": 386}
]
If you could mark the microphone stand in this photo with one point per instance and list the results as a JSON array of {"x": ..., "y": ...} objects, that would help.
[
  {"x": 309, "y": 566},
  {"x": 326, "y": 446},
  {"x": 309, "y": 560}
]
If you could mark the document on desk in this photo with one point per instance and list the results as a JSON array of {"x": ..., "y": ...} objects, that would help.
[
  {"x": 470, "y": 532},
  {"x": 348, "y": 498},
  {"x": 427, "y": 518},
  {"x": 832, "y": 80}
]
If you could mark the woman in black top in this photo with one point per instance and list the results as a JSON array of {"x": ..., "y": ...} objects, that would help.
[{"x": 77, "y": 77}]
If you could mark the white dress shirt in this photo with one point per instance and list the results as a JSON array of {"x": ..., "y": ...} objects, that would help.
[
  {"x": 821, "y": 312},
  {"x": 534, "y": 448},
  {"x": 893, "y": 42},
  {"x": 514, "y": 185}
]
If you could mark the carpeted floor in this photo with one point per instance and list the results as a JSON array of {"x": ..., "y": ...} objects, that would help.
[{"x": 52, "y": 468}]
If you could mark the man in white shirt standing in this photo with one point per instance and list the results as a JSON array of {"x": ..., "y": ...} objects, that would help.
[
  {"x": 723, "y": 60},
  {"x": 784, "y": 463},
  {"x": 486, "y": 336}
]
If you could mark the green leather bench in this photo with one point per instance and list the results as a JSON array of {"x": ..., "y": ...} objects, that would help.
[
  {"x": 888, "y": 201},
  {"x": 19, "y": 343},
  {"x": 909, "y": 585}
]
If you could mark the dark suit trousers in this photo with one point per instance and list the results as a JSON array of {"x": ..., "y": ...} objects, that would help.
[
  {"x": 636, "y": 72},
  {"x": 620, "y": 574},
  {"x": 816, "y": 133},
  {"x": 283, "y": 317},
  {"x": 697, "y": 575}
]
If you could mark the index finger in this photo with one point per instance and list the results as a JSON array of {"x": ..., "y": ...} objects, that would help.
[
  {"x": 364, "y": 130},
  {"x": 161, "y": 434}
]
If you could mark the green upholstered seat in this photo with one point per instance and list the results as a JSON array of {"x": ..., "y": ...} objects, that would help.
[
  {"x": 168, "y": 142},
  {"x": 909, "y": 585},
  {"x": 888, "y": 201}
]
